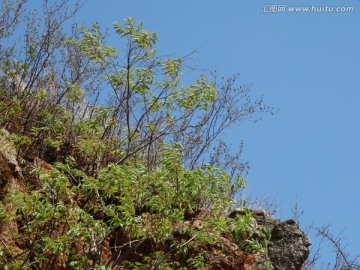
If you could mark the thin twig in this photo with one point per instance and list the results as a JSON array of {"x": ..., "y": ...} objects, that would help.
[{"x": 7, "y": 249}]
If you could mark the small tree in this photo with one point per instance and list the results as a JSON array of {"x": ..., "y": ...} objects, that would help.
[{"x": 150, "y": 105}]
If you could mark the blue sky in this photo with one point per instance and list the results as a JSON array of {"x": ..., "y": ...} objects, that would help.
[{"x": 305, "y": 64}]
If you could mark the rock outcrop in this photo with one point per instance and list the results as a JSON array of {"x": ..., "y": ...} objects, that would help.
[{"x": 288, "y": 247}]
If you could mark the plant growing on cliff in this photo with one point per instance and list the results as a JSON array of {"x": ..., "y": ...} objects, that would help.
[
  {"x": 112, "y": 146},
  {"x": 246, "y": 233}
]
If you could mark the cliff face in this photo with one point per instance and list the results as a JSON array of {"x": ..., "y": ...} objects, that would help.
[{"x": 287, "y": 246}]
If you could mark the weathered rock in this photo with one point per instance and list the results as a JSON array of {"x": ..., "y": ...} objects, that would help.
[
  {"x": 288, "y": 248},
  {"x": 10, "y": 174},
  {"x": 11, "y": 170}
]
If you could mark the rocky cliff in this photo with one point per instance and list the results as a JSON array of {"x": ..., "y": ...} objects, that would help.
[{"x": 287, "y": 246}]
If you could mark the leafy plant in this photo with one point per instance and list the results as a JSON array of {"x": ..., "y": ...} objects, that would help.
[
  {"x": 248, "y": 235},
  {"x": 110, "y": 179}
]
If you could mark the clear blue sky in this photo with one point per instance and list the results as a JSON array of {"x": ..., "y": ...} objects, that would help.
[{"x": 305, "y": 64}]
